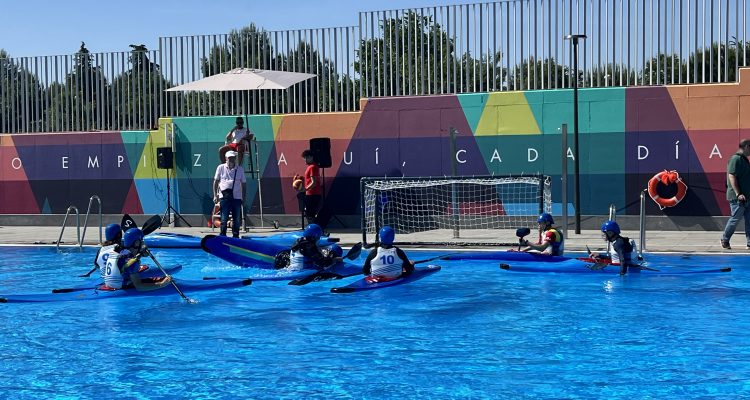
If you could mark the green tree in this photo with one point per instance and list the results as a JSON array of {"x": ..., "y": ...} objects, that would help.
[
  {"x": 21, "y": 107},
  {"x": 139, "y": 88}
]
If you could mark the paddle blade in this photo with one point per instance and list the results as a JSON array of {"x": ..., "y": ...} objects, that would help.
[
  {"x": 127, "y": 223},
  {"x": 354, "y": 252},
  {"x": 521, "y": 232},
  {"x": 151, "y": 224}
]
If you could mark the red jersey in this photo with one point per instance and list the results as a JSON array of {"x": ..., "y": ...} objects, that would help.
[{"x": 313, "y": 171}]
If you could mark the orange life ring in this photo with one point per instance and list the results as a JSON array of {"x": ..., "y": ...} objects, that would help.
[{"x": 667, "y": 177}]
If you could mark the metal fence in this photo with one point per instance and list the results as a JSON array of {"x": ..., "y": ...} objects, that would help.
[{"x": 494, "y": 46}]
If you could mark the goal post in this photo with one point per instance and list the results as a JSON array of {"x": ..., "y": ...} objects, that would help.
[{"x": 463, "y": 210}]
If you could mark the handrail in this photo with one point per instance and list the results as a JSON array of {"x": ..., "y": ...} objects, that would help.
[
  {"x": 86, "y": 220},
  {"x": 612, "y": 212},
  {"x": 65, "y": 221},
  {"x": 612, "y": 217},
  {"x": 642, "y": 221}
]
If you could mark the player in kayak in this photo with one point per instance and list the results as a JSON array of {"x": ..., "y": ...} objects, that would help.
[
  {"x": 121, "y": 269},
  {"x": 551, "y": 241},
  {"x": 387, "y": 262},
  {"x": 306, "y": 254},
  {"x": 624, "y": 249}
]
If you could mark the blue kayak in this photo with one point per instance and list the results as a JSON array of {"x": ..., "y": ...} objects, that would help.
[
  {"x": 178, "y": 240},
  {"x": 363, "y": 284},
  {"x": 506, "y": 256},
  {"x": 580, "y": 267},
  {"x": 151, "y": 272},
  {"x": 188, "y": 287},
  {"x": 244, "y": 252}
]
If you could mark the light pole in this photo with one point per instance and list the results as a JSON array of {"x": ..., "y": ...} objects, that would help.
[{"x": 576, "y": 164}]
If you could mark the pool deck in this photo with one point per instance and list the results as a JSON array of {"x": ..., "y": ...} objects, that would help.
[{"x": 661, "y": 241}]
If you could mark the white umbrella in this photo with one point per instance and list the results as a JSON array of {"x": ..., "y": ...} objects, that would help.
[
  {"x": 241, "y": 79},
  {"x": 244, "y": 79}
]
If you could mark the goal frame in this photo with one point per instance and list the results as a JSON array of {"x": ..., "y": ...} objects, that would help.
[{"x": 543, "y": 194}]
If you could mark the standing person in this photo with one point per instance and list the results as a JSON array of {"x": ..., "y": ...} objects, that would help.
[
  {"x": 738, "y": 188},
  {"x": 551, "y": 240},
  {"x": 624, "y": 250},
  {"x": 229, "y": 190},
  {"x": 237, "y": 140},
  {"x": 387, "y": 262},
  {"x": 312, "y": 187}
]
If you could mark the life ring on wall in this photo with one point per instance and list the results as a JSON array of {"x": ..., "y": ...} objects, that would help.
[{"x": 667, "y": 178}]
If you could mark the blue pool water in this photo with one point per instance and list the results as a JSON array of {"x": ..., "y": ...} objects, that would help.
[{"x": 469, "y": 331}]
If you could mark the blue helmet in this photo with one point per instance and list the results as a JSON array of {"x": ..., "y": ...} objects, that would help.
[
  {"x": 313, "y": 231},
  {"x": 112, "y": 232},
  {"x": 387, "y": 235},
  {"x": 545, "y": 217},
  {"x": 611, "y": 226},
  {"x": 131, "y": 237}
]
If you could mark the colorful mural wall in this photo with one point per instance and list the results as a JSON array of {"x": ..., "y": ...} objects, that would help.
[{"x": 626, "y": 136}]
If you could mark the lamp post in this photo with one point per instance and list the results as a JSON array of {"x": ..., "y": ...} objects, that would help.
[{"x": 576, "y": 164}]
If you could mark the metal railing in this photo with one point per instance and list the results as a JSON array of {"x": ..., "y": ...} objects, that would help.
[
  {"x": 86, "y": 220},
  {"x": 494, "y": 46},
  {"x": 642, "y": 223},
  {"x": 65, "y": 221}
]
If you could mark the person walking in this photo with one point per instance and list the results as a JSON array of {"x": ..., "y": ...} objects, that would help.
[{"x": 738, "y": 188}]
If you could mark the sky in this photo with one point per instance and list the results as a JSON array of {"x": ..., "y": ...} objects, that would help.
[{"x": 52, "y": 27}]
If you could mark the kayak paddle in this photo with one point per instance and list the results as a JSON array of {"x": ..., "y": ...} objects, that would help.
[
  {"x": 171, "y": 280},
  {"x": 352, "y": 254},
  {"x": 127, "y": 223},
  {"x": 443, "y": 257}
]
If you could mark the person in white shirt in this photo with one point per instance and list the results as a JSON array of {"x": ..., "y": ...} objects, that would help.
[
  {"x": 386, "y": 262},
  {"x": 237, "y": 140},
  {"x": 229, "y": 190}
]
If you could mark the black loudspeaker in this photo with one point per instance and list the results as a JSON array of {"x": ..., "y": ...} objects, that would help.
[
  {"x": 164, "y": 158},
  {"x": 321, "y": 149}
]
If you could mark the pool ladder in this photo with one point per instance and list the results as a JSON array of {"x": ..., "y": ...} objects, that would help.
[
  {"x": 79, "y": 236},
  {"x": 641, "y": 223}
]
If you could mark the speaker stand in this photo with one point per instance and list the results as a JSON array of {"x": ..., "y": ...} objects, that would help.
[
  {"x": 171, "y": 210},
  {"x": 323, "y": 202}
]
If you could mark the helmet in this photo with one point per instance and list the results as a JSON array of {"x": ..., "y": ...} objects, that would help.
[
  {"x": 131, "y": 237},
  {"x": 387, "y": 235},
  {"x": 112, "y": 232},
  {"x": 546, "y": 217},
  {"x": 313, "y": 231},
  {"x": 336, "y": 250},
  {"x": 611, "y": 226}
]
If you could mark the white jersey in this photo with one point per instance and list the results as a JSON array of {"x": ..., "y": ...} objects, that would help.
[
  {"x": 103, "y": 255},
  {"x": 239, "y": 134},
  {"x": 297, "y": 261},
  {"x": 386, "y": 263},
  {"x": 112, "y": 275}
]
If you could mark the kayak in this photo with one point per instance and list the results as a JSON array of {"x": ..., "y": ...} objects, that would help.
[
  {"x": 179, "y": 240},
  {"x": 580, "y": 267},
  {"x": 244, "y": 252},
  {"x": 167, "y": 240},
  {"x": 187, "y": 286},
  {"x": 506, "y": 256},
  {"x": 363, "y": 284},
  {"x": 151, "y": 272}
]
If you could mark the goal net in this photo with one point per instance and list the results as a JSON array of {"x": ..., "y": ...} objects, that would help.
[{"x": 453, "y": 210}]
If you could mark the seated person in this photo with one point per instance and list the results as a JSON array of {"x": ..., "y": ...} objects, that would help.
[
  {"x": 306, "y": 254},
  {"x": 121, "y": 269},
  {"x": 624, "y": 249},
  {"x": 237, "y": 140},
  {"x": 550, "y": 239},
  {"x": 387, "y": 262},
  {"x": 112, "y": 238}
]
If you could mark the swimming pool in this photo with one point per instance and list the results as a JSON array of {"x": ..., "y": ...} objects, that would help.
[{"x": 469, "y": 331}]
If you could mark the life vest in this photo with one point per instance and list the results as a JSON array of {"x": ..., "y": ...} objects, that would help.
[
  {"x": 112, "y": 276},
  {"x": 556, "y": 247},
  {"x": 667, "y": 178},
  {"x": 103, "y": 255},
  {"x": 629, "y": 255},
  {"x": 386, "y": 264}
]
